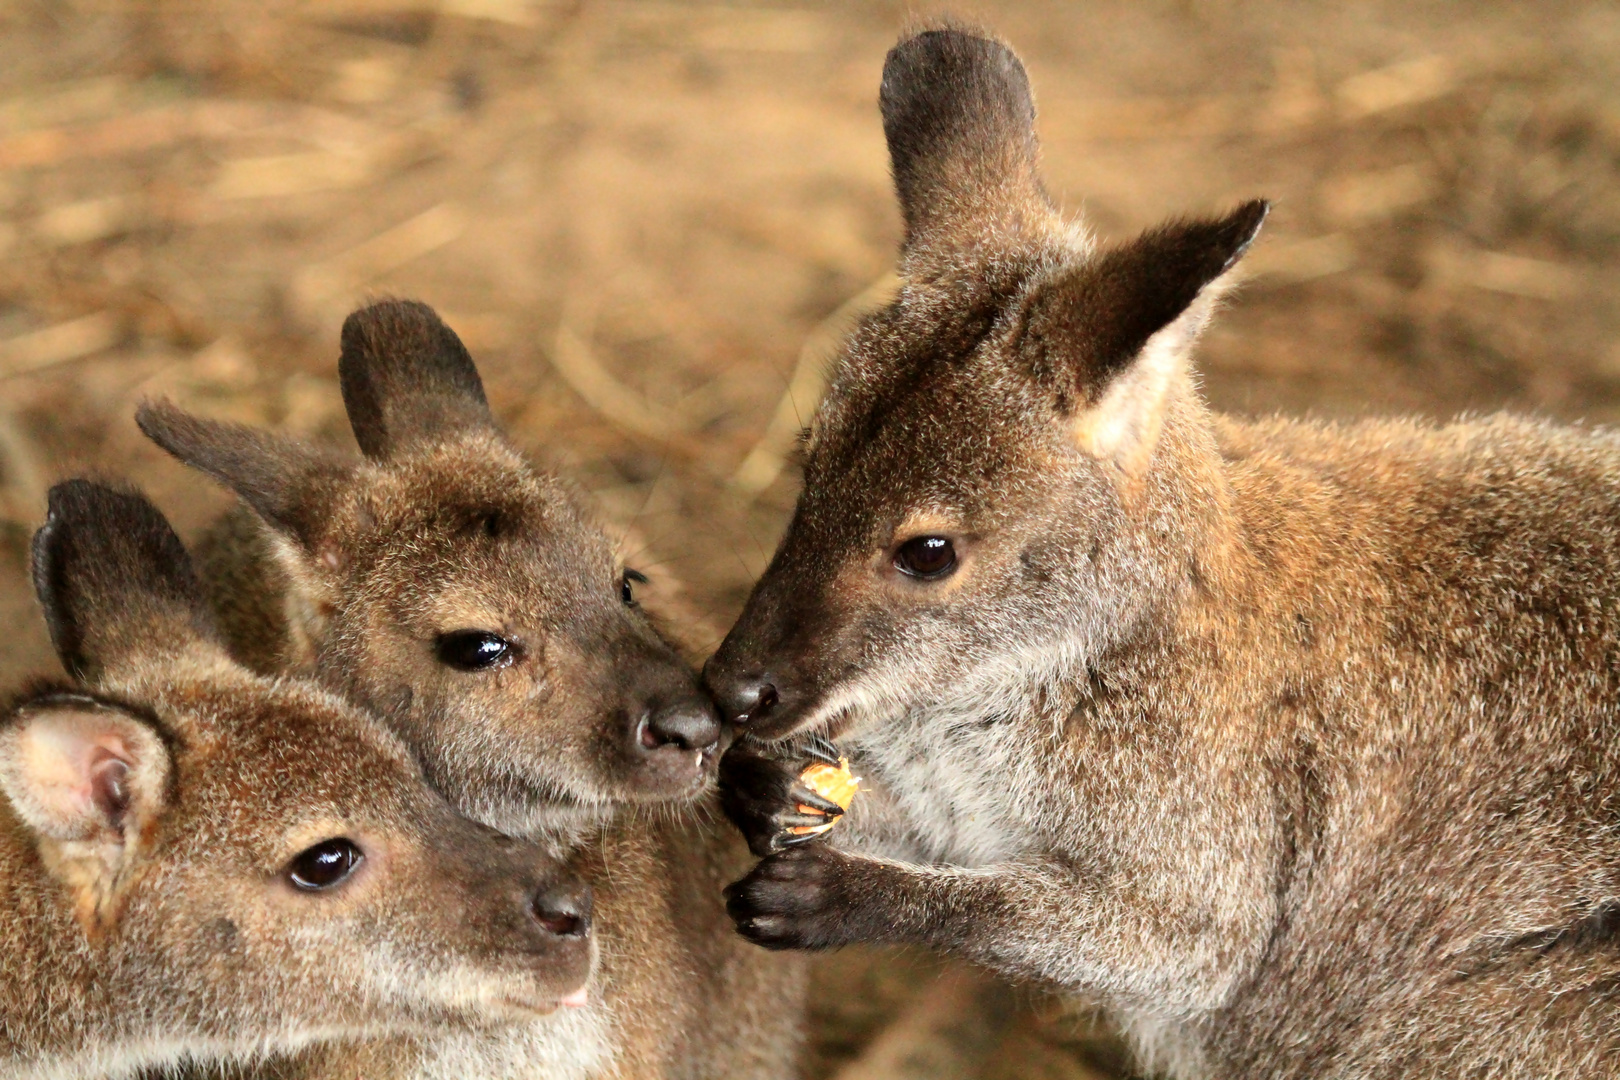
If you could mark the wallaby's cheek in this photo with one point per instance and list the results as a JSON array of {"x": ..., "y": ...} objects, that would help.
[{"x": 221, "y": 936}]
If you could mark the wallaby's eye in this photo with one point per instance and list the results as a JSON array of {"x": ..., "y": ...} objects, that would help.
[
  {"x": 626, "y": 592},
  {"x": 926, "y": 557},
  {"x": 326, "y": 864},
  {"x": 474, "y": 650}
]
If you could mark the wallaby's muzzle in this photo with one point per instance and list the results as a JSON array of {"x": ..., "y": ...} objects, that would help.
[
  {"x": 768, "y": 676},
  {"x": 747, "y": 698},
  {"x": 766, "y": 701},
  {"x": 523, "y": 914}
]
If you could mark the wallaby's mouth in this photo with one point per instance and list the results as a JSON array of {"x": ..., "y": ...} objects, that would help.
[
  {"x": 509, "y": 1008},
  {"x": 561, "y": 982},
  {"x": 525, "y": 1007},
  {"x": 773, "y": 701},
  {"x": 682, "y": 778},
  {"x": 830, "y": 716}
]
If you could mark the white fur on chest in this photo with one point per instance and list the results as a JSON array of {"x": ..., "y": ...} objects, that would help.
[
  {"x": 570, "y": 1044},
  {"x": 950, "y": 780}
]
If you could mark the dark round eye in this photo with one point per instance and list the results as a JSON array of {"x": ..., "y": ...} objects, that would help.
[
  {"x": 326, "y": 864},
  {"x": 474, "y": 650},
  {"x": 926, "y": 557},
  {"x": 626, "y": 592}
]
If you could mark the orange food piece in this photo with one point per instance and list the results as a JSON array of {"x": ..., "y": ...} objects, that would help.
[{"x": 834, "y": 783}]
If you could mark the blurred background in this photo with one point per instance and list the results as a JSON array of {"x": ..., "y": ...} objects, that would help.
[{"x": 647, "y": 218}]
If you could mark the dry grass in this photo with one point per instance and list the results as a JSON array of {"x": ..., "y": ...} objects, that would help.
[{"x": 639, "y": 214}]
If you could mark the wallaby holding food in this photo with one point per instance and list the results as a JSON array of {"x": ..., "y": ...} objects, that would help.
[
  {"x": 468, "y": 599},
  {"x": 1296, "y": 742},
  {"x": 199, "y": 862}
]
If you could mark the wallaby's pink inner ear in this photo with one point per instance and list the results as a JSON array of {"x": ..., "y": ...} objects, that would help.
[{"x": 77, "y": 771}]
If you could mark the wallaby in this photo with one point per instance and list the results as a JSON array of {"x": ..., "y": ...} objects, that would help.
[
  {"x": 1295, "y": 742},
  {"x": 469, "y": 599},
  {"x": 199, "y": 862}
]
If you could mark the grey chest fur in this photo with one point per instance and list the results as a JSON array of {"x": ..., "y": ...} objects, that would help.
[{"x": 956, "y": 783}]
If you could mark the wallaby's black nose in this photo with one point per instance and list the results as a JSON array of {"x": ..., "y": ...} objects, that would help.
[
  {"x": 688, "y": 724},
  {"x": 747, "y": 699},
  {"x": 563, "y": 910}
]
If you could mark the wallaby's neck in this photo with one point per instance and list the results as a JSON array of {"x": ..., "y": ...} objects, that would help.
[
  {"x": 48, "y": 1008},
  {"x": 1184, "y": 539}
]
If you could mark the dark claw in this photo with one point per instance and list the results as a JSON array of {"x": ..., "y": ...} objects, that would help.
[
  {"x": 803, "y": 821},
  {"x": 762, "y": 794},
  {"x": 801, "y": 794}
]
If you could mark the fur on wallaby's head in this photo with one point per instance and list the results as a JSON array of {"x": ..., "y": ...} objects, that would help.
[
  {"x": 196, "y": 859},
  {"x": 461, "y": 593},
  {"x": 994, "y": 467}
]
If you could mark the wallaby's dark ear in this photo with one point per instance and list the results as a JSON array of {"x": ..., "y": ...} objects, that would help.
[
  {"x": 285, "y": 481},
  {"x": 1110, "y": 336},
  {"x": 960, "y": 123},
  {"x": 407, "y": 378},
  {"x": 114, "y": 581}
]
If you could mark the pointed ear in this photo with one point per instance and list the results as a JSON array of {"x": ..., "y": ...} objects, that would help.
[
  {"x": 1112, "y": 336},
  {"x": 289, "y": 484},
  {"x": 960, "y": 123},
  {"x": 86, "y": 778},
  {"x": 114, "y": 581},
  {"x": 407, "y": 378}
]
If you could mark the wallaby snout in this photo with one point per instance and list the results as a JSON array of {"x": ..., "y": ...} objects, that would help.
[
  {"x": 684, "y": 725},
  {"x": 671, "y": 718},
  {"x": 563, "y": 912},
  {"x": 759, "y": 691},
  {"x": 525, "y": 916},
  {"x": 749, "y": 698},
  {"x": 778, "y": 669},
  {"x": 767, "y": 702}
]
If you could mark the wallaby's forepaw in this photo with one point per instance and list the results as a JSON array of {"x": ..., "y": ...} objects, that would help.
[
  {"x": 764, "y": 797},
  {"x": 800, "y": 898}
]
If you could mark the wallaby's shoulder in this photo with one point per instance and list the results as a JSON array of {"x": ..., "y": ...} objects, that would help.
[
  {"x": 1409, "y": 486},
  {"x": 1445, "y": 547},
  {"x": 1424, "y": 447}
]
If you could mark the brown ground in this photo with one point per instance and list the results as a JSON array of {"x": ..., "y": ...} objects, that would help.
[{"x": 637, "y": 213}]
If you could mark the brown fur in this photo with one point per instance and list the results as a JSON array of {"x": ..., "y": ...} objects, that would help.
[
  {"x": 1295, "y": 742},
  {"x": 444, "y": 526},
  {"x": 146, "y": 913}
]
